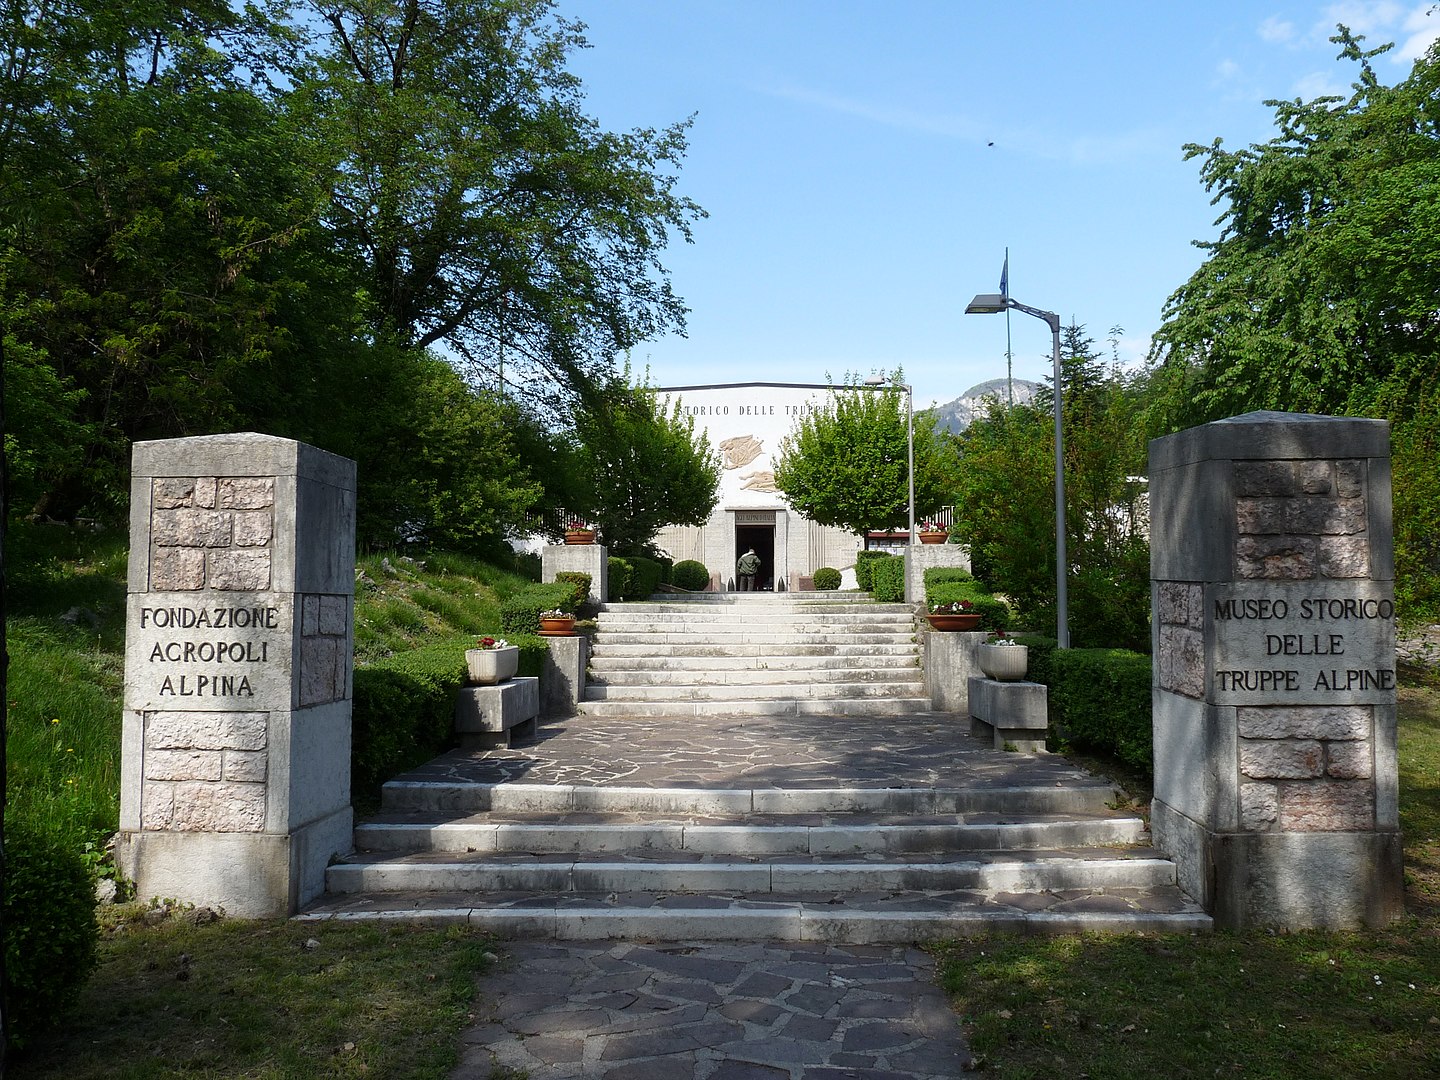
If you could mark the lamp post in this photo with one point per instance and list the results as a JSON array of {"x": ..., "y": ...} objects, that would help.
[
  {"x": 990, "y": 304},
  {"x": 877, "y": 380}
]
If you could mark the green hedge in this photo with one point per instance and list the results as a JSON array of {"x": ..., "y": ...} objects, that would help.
[
  {"x": 579, "y": 581},
  {"x": 1099, "y": 698},
  {"x": 826, "y": 578},
  {"x": 887, "y": 579},
  {"x": 937, "y": 575},
  {"x": 520, "y": 613},
  {"x": 639, "y": 578},
  {"x": 864, "y": 560},
  {"x": 50, "y": 930},
  {"x": 691, "y": 575},
  {"x": 404, "y": 709}
]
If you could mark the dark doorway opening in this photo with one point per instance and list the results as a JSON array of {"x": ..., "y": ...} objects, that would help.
[{"x": 762, "y": 539}]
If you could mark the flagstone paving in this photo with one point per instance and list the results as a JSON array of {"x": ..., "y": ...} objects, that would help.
[{"x": 794, "y": 1011}]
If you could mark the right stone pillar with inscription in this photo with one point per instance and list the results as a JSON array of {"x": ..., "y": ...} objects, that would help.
[{"x": 1274, "y": 695}]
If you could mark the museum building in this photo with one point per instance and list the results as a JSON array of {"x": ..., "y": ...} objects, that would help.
[{"x": 745, "y": 423}]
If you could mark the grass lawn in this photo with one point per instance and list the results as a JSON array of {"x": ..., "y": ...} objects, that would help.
[{"x": 1252, "y": 1004}]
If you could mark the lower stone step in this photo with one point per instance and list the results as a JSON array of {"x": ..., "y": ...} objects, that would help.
[
  {"x": 429, "y": 796},
  {"x": 767, "y": 834},
  {"x": 1007, "y": 872},
  {"x": 875, "y": 918},
  {"x": 909, "y": 686},
  {"x": 771, "y": 707}
]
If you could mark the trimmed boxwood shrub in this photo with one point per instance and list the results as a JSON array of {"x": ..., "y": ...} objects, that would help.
[
  {"x": 520, "y": 613},
  {"x": 994, "y": 614},
  {"x": 403, "y": 708},
  {"x": 827, "y": 578},
  {"x": 50, "y": 929},
  {"x": 937, "y": 575},
  {"x": 887, "y": 579},
  {"x": 692, "y": 575},
  {"x": 645, "y": 577},
  {"x": 1102, "y": 699},
  {"x": 619, "y": 572},
  {"x": 580, "y": 582},
  {"x": 864, "y": 560}
]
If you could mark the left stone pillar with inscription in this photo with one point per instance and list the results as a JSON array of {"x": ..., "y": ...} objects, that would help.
[{"x": 235, "y": 756}]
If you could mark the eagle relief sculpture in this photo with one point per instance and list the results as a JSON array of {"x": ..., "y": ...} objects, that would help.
[{"x": 739, "y": 451}]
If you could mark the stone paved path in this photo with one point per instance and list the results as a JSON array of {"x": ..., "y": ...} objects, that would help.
[
  {"x": 626, "y": 1011},
  {"x": 918, "y": 751}
]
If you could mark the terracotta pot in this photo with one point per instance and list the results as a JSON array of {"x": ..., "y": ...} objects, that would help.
[
  {"x": 1004, "y": 662},
  {"x": 934, "y": 537},
  {"x": 953, "y": 621},
  {"x": 579, "y": 536},
  {"x": 487, "y": 667},
  {"x": 558, "y": 627}
]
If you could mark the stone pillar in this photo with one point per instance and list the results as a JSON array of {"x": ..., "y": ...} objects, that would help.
[
  {"x": 592, "y": 559},
  {"x": 920, "y": 557},
  {"x": 235, "y": 756},
  {"x": 1274, "y": 691}
]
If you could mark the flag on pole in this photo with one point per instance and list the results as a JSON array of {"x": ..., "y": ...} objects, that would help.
[{"x": 1005, "y": 275}]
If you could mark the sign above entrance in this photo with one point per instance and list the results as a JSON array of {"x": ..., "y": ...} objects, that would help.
[{"x": 754, "y": 517}]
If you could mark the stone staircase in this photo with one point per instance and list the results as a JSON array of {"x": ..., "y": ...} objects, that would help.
[{"x": 756, "y": 654}]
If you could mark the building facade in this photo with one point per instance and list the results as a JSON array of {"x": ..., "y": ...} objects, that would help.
[{"x": 745, "y": 423}]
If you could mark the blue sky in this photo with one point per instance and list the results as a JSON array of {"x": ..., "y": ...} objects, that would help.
[{"x": 843, "y": 150}]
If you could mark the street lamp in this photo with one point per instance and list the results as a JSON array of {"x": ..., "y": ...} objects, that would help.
[
  {"x": 991, "y": 304},
  {"x": 877, "y": 380}
]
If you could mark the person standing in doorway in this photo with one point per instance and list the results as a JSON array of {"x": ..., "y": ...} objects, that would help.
[{"x": 746, "y": 569}]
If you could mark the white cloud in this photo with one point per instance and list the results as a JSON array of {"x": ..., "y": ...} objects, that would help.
[
  {"x": 1320, "y": 84},
  {"x": 1227, "y": 71},
  {"x": 1277, "y": 31},
  {"x": 1422, "y": 29}
]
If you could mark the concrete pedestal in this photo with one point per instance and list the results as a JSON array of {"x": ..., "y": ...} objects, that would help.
[
  {"x": 920, "y": 557},
  {"x": 491, "y": 716},
  {"x": 1013, "y": 715},
  {"x": 562, "y": 680},
  {"x": 592, "y": 559},
  {"x": 950, "y": 660}
]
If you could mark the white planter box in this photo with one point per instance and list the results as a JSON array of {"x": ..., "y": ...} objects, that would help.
[
  {"x": 1006, "y": 663},
  {"x": 491, "y": 666}
]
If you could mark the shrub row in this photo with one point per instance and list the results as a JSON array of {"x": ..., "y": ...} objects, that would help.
[
  {"x": 1099, "y": 698},
  {"x": 404, "y": 709},
  {"x": 520, "y": 613},
  {"x": 635, "y": 577},
  {"x": 580, "y": 582},
  {"x": 50, "y": 930},
  {"x": 864, "y": 560},
  {"x": 887, "y": 579}
]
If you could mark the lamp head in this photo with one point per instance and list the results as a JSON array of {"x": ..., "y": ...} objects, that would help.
[{"x": 987, "y": 304}]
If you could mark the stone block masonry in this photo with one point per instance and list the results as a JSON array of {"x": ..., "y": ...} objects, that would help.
[
  {"x": 1274, "y": 687},
  {"x": 236, "y": 741}
]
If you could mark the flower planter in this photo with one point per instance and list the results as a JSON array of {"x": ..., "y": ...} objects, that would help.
[
  {"x": 558, "y": 627},
  {"x": 934, "y": 537},
  {"x": 956, "y": 621},
  {"x": 488, "y": 667},
  {"x": 1007, "y": 663},
  {"x": 579, "y": 536}
]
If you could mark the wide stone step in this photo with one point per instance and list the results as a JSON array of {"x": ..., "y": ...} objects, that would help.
[
  {"x": 458, "y": 797},
  {"x": 754, "y": 688},
  {"x": 812, "y": 834},
  {"x": 874, "y": 918},
  {"x": 607, "y": 647},
  {"x": 705, "y": 621},
  {"x": 684, "y": 676},
  {"x": 758, "y": 604},
  {"x": 741, "y": 636},
  {"x": 870, "y": 708},
  {"x": 693, "y": 872},
  {"x": 606, "y": 662}
]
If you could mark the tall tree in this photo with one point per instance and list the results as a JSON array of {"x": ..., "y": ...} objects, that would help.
[
  {"x": 492, "y": 215},
  {"x": 846, "y": 465},
  {"x": 1320, "y": 293},
  {"x": 642, "y": 467}
]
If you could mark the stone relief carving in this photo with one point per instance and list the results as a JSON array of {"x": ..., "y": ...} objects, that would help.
[
  {"x": 740, "y": 451},
  {"x": 759, "y": 480}
]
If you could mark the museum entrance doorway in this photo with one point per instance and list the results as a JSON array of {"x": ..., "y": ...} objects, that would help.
[{"x": 762, "y": 539}]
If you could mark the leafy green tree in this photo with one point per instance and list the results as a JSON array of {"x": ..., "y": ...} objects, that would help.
[
  {"x": 643, "y": 467},
  {"x": 1005, "y": 504},
  {"x": 845, "y": 465},
  {"x": 489, "y": 212},
  {"x": 1319, "y": 294}
]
